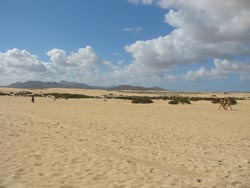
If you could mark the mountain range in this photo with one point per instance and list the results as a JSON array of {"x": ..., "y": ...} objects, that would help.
[{"x": 65, "y": 84}]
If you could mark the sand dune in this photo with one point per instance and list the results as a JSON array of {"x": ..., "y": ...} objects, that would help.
[{"x": 79, "y": 143}]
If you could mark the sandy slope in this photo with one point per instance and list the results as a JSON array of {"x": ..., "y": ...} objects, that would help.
[{"x": 93, "y": 143}]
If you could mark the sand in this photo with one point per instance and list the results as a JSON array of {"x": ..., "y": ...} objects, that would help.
[{"x": 94, "y": 143}]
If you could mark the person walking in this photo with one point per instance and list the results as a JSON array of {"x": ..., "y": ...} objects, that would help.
[
  {"x": 222, "y": 104},
  {"x": 229, "y": 103}
]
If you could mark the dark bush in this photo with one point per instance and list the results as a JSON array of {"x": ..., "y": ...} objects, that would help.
[
  {"x": 164, "y": 98},
  {"x": 67, "y": 95},
  {"x": 23, "y": 93},
  {"x": 126, "y": 97},
  {"x": 233, "y": 101},
  {"x": 184, "y": 100},
  {"x": 202, "y": 98},
  {"x": 173, "y": 102},
  {"x": 38, "y": 95},
  {"x": 178, "y": 100},
  {"x": 216, "y": 100},
  {"x": 4, "y": 94},
  {"x": 142, "y": 100}
]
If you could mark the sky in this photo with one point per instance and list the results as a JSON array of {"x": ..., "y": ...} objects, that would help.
[{"x": 182, "y": 45}]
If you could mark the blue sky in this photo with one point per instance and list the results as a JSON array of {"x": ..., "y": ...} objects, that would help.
[
  {"x": 39, "y": 26},
  {"x": 177, "y": 45}
]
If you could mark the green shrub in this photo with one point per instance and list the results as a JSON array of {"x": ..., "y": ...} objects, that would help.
[
  {"x": 178, "y": 100},
  {"x": 67, "y": 95},
  {"x": 142, "y": 100},
  {"x": 164, "y": 98},
  {"x": 202, "y": 98},
  {"x": 23, "y": 93},
  {"x": 38, "y": 95},
  {"x": 184, "y": 100},
  {"x": 173, "y": 102},
  {"x": 233, "y": 101},
  {"x": 4, "y": 94},
  {"x": 217, "y": 100}
]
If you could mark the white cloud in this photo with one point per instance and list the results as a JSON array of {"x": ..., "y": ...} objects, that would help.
[
  {"x": 133, "y": 29},
  {"x": 20, "y": 60},
  {"x": 203, "y": 30},
  {"x": 210, "y": 21},
  {"x": 19, "y": 65},
  {"x": 57, "y": 56},
  {"x": 83, "y": 65},
  {"x": 120, "y": 62},
  {"x": 84, "y": 57},
  {"x": 222, "y": 68}
]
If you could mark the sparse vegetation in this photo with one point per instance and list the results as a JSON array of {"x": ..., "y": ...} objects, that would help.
[
  {"x": 184, "y": 100},
  {"x": 23, "y": 93},
  {"x": 233, "y": 101},
  {"x": 134, "y": 99},
  {"x": 174, "y": 99},
  {"x": 179, "y": 100},
  {"x": 173, "y": 102},
  {"x": 201, "y": 98},
  {"x": 4, "y": 94},
  {"x": 67, "y": 95},
  {"x": 38, "y": 95},
  {"x": 216, "y": 100},
  {"x": 142, "y": 100}
]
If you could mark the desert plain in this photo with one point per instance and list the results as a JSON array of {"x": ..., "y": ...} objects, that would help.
[{"x": 112, "y": 143}]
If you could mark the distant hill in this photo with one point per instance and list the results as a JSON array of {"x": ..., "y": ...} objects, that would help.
[
  {"x": 136, "y": 88},
  {"x": 35, "y": 84},
  {"x": 41, "y": 85},
  {"x": 65, "y": 84}
]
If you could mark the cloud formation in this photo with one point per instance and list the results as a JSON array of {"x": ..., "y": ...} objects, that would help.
[
  {"x": 20, "y": 65},
  {"x": 221, "y": 69},
  {"x": 203, "y": 30},
  {"x": 84, "y": 57},
  {"x": 20, "y": 60},
  {"x": 16, "y": 65}
]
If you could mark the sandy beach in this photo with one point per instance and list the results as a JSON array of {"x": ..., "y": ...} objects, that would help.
[{"x": 97, "y": 143}]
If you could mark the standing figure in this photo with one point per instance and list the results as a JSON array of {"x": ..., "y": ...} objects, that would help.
[{"x": 33, "y": 99}]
